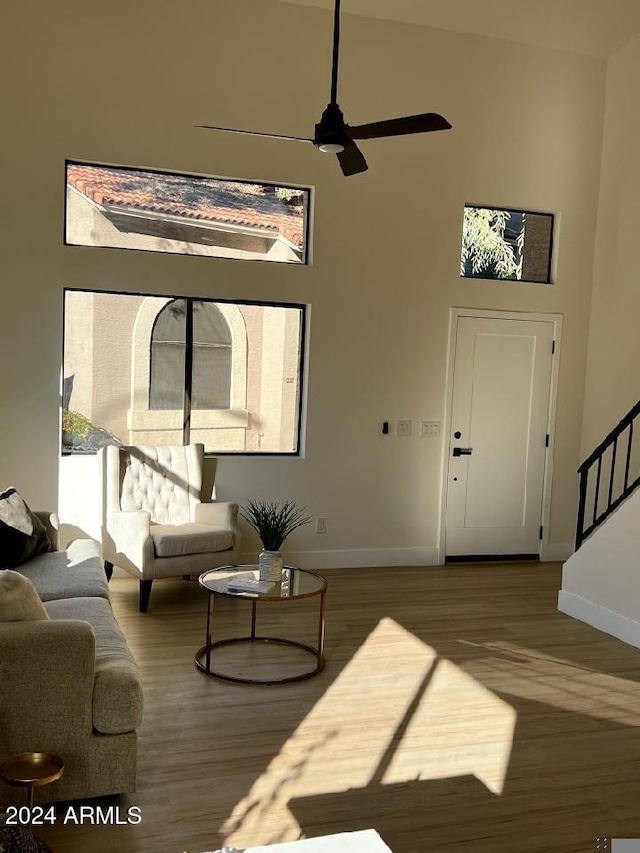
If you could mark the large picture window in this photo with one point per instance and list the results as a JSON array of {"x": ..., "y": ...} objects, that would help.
[
  {"x": 126, "y": 208},
  {"x": 160, "y": 370}
]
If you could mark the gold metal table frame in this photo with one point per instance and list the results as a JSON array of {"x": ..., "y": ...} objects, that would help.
[
  {"x": 294, "y": 585},
  {"x": 31, "y": 770}
]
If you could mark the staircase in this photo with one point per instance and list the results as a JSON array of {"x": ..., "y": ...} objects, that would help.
[
  {"x": 609, "y": 475},
  {"x": 601, "y": 581}
]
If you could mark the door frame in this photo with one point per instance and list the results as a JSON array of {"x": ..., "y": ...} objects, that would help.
[{"x": 491, "y": 314}]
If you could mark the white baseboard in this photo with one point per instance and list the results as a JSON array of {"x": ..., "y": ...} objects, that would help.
[
  {"x": 557, "y": 552},
  {"x": 357, "y": 558},
  {"x": 622, "y": 627}
]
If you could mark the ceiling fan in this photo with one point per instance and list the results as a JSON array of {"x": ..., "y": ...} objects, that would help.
[{"x": 334, "y": 136}]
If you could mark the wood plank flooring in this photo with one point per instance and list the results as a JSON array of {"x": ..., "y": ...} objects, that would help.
[{"x": 458, "y": 711}]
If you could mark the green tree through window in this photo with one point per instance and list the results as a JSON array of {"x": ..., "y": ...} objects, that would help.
[{"x": 490, "y": 247}]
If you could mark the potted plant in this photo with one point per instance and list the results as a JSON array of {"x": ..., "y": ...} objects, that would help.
[{"x": 273, "y": 521}]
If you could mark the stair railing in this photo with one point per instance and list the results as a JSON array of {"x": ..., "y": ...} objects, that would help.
[{"x": 608, "y": 476}]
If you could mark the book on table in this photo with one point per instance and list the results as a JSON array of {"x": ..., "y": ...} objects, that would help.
[{"x": 247, "y": 582}]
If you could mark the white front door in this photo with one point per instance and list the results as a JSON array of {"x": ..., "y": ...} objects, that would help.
[{"x": 498, "y": 437}]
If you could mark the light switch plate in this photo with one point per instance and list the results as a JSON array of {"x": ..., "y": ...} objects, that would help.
[
  {"x": 403, "y": 429},
  {"x": 429, "y": 429}
]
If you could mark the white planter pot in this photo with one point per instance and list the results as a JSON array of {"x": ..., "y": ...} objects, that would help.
[{"x": 270, "y": 564}]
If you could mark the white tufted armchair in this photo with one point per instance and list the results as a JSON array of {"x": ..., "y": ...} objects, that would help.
[{"x": 155, "y": 523}]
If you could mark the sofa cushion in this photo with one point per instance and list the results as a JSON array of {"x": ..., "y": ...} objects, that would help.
[
  {"x": 117, "y": 692},
  {"x": 22, "y": 534},
  {"x": 179, "y": 540},
  {"x": 75, "y": 572},
  {"x": 19, "y": 601}
]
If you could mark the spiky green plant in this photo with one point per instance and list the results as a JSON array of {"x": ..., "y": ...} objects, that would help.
[{"x": 273, "y": 521}]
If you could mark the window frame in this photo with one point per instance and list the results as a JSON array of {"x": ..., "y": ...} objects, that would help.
[
  {"x": 550, "y": 216},
  {"x": 217, "y": 413}
]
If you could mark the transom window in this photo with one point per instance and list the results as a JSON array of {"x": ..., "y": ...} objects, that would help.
[
  {"x": 507, "y": 244},
  {"x": 123, "y": 207}
]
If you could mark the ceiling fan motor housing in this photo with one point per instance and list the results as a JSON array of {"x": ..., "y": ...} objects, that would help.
[{"x": 331, "y": 131}]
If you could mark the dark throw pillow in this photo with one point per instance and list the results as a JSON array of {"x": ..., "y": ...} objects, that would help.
[{"x": 22, "y": 534}]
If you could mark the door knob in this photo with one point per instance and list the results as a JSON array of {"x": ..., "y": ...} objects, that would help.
[{"x": 462, "y": 451}]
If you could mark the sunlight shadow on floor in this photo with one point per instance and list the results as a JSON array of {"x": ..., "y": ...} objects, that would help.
[{"x": 396, "y": 713}]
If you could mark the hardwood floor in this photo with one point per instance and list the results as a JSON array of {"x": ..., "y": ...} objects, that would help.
[{"x": 458, "y": 711}]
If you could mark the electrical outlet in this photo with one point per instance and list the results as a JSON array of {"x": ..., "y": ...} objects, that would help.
[
  {"x": 321, "y": 525},
  {"x": 403, "y": 429}
]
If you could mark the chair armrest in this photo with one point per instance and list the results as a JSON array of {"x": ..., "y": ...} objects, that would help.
[
  {"x": 52, "y": 526},
  {"x": 131, "y": 525},
  {"x": 129, "y": 534},
  {"x": 46, "y": 683},
  {"x": 223, "y": 515}
]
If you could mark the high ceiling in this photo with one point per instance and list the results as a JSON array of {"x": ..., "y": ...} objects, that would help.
[{"x": 592, "y": 27}]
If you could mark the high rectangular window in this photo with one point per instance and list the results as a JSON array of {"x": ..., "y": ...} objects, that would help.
[
  {"x": 509, "y": 244},
  {"x": 127, "y": 208},
  {"x": 142, "y": 369}
]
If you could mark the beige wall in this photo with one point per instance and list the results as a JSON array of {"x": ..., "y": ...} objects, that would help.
[
  {"x": 613, "y": 378},
  {"x": 600, "y": 582},
  {"x": 124, "y": 83}
]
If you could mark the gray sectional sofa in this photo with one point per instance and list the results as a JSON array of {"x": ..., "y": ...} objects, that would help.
[{"x": 69, "y": 684}]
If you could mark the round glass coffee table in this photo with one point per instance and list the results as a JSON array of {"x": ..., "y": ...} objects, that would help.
[{"x": 293, "y": 585}]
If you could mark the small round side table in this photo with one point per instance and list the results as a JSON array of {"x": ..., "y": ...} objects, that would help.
[{"x": 31, "y": 770}]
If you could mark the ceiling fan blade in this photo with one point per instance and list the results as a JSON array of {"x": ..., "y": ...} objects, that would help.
[
  {"x": 352, "y": 160},
  {"x": 255, "y": 133},
  {"x": 399, "y": 126}
]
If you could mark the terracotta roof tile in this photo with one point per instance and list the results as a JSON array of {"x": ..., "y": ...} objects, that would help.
[{"x": 202, "y": 199}]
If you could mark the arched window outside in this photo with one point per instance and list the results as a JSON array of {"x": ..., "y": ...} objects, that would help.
[
  {"x": 207, "y": 361},
  {"x": 211, "y": 358}
]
